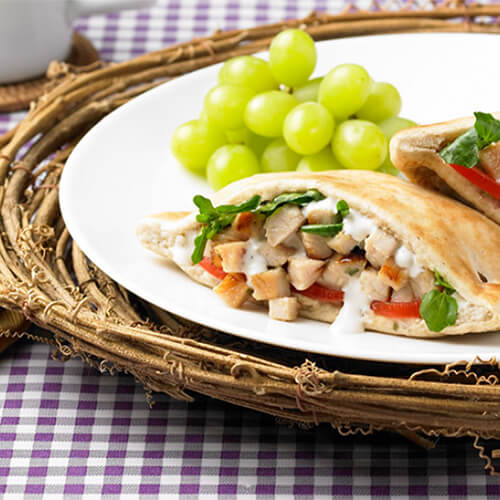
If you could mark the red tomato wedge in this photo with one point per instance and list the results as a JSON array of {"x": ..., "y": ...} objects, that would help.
[
  {"x": 479, "y": 179},
  {"x": 212, "y": 269},
  {"x": 322, "y": 293},
  {"x": 399, "y": 310}
]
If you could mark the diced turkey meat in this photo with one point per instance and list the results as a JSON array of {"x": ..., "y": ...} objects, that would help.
[{"x": 283, "y": 223}]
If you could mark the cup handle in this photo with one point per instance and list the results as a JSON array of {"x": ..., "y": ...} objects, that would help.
[{"x": 88, "y": 7}]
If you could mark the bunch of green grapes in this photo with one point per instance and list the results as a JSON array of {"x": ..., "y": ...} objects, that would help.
[{"x": 271, "y": 117}]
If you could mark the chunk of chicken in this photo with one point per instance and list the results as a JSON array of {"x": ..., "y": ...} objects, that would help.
[
  {"x": 246, "y": 225},
  {"x": 233, "y": 290},
  {"x": 339, "y": 269},
  {"x": 320, "y": 216},
  {"x": 283, "y": 223},
  {"x": 284, "y": 308},
  {"x": 342, "y": 243},
  {"x": 316, "y": 246},
  {"x": 393, "y": 275},
  {"x": 374, "y": 287},
  {"x": 271, "y": 284},
  {"x": 275, "y": 256},
  {"x": 489, "y": 160},
  {"x": 422, "y": 283},
  {"x": 232, "y": 256},
  {"x": 303, "y": 272},
  {"x": 404, "y": 294},
  {"x": 379, "y": 246}
]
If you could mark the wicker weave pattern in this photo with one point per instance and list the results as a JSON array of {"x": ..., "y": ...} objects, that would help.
[{"x": 47, "y": 277}]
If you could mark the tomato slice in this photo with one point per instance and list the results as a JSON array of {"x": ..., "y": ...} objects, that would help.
[
  {"x": 396, "y": 309},
  {"x": 479, "y": 179},
  {"x": 322, "y": 293},
  {"x": 212, "y": 269}
]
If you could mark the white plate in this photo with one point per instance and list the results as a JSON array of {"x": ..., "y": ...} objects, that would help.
[{"x": 123, "y": 169}]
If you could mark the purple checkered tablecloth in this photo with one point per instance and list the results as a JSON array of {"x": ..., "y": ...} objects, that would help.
[{"x": 69, "y": 431}]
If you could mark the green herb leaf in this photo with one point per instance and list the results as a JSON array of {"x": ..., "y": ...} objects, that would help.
[
  {"x": 464, "y": 150},
  {"x": 215, "y": 219},
  {"x": 200, "y": 243},
  {"x": 342, "y": 209},
  {"x": 440, "y": 281},
  {"x": 300, "y": 199},
  {"x": 327, "y": 230},
  {"x": 246, "y": 206},
  {"x": 487, "y": 128},
  {"x": 439, "y": 310},
  {"x": 205, "y": 205}
]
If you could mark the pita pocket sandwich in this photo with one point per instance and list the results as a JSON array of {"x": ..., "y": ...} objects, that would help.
[
  {"x": 358, "y": 249},
  {"x": 460, "y": 158}
]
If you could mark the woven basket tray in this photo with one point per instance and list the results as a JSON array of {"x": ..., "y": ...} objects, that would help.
[{"x": 83, "y": 313}]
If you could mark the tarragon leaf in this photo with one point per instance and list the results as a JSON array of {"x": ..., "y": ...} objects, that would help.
[
  {"x": 268, "y": 208},
  {"x": 342, "y": 210},
  {"x": 327, "y": 230},
  {"x": 246, "y": 206},
  {"x": 440, "y": 281}
]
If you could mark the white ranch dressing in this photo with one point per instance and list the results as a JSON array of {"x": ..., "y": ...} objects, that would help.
[
  {"x": 253, "y": 261},
  {"x": 358, "y": 226},
  {"x": 355, "y": 224},
  {"x": 183, "y": 248},
  {"x": 356, "y": 303},
  {"x": 406, "y": 259},
  {"x": 328, "y": 204}
]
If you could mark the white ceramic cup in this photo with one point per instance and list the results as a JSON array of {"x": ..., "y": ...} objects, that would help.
[{"x": 35, "y": 32}]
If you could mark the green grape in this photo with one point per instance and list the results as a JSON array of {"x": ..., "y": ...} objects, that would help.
[
  {"x": 292, "y": 57},
  {"x": 345, "y": 89},
  {"x": 231, "y": 163},
  {"x": 257, "y": 143},
  {"x": 308, "y": 128},
  {"x": 225, "y": 105},
  {"x": 266, "y": 112},
  {"x": 359, "y": 144},
  {"x": 308, "y": 91},
  {"x": 383, "y": 102},
  {"x": 324, "y": 160},
  {"x": 248, "y": 71},
  {"x": 389, "y": 127},
  {"x": 238, "y": 136},
  {"x": 392, "y": 125},
  {"x": 278, "y": 157},
  {"x": 194, "y": 142}
]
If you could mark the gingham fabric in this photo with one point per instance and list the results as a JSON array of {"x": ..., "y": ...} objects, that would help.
[{"x": 67, "y": 431}]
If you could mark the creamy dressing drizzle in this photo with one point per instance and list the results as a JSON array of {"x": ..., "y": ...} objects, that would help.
[
  {"x": 406, "y": 259},
  {"x": 183, "y": 248},
  {"x": 253, "y": 261},
  {"x": 355, "y": 224},
  {"x": 358, "y": 226},
  {"x": 356, "y": 303}
]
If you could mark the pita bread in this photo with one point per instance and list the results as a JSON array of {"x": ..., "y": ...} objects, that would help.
[
  {"x": 463, "y": 245},
  {"x": 415, "y": 151}
]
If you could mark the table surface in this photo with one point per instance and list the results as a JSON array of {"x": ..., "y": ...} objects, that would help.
[{"x": 68, "y": 431}]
